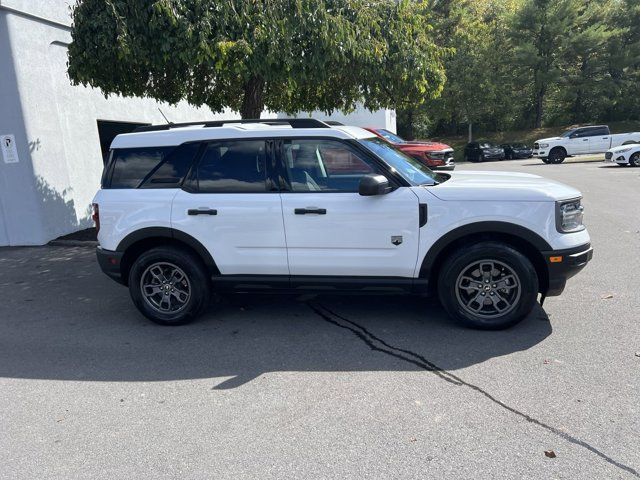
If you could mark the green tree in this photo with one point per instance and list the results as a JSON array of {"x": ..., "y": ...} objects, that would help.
[{"x": 248, "y": 55}]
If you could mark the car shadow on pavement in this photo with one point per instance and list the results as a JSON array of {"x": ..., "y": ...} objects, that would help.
[{"x": 65, "y": 320}]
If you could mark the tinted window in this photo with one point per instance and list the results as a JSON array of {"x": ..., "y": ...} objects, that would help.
[
  {"x": 598, "y": 131},
  {"x": 415, "y": 172},
  {"x": 132, "y": 165},
  {"x": 172, "y": 170},
  {"x": 324, "y": 165},
  {"x": 232, "y": 166}
]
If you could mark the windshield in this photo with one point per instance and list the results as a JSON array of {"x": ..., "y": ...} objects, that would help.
[
  {"x": 392, "y": 137},
  {"x": 409, "y": 168},
  {"x": 518, "y": 145},
  {"x": 487, "y": 145},
  {"x": 568, "y": 133}
]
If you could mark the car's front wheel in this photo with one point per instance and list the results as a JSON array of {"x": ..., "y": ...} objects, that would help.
[
  {"x": 634, "y": 161},
  {"x": 169, "y": 285},
  {"x": 557, "y": 155},
  {"x": 489, "y": 286}
]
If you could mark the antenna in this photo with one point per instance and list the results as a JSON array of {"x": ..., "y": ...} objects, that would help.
[{"x": 165, "y": 117}]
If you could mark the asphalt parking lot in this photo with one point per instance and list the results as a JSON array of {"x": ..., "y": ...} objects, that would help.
[{"x": 326, "y": 387}]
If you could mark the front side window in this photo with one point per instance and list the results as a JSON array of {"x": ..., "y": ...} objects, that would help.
[
  {"x": 316, "y": 165},
  {"x": 232, "y": 167},
  {"x": 412, "y": 170}
]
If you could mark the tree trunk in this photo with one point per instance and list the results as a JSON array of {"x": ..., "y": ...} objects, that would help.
[
  {"x": 410, "y": 129},
  {"x": 470, "y": 132},
  {"x": 253, "y": 99},
  {"x": 539, "y": 102}
]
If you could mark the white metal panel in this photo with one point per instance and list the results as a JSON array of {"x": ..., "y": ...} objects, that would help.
[
  {"x": 245, "y": 237},
  {"x": 355, "y": 235}
]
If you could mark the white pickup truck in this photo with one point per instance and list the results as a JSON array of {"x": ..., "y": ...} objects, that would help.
[{"x": 581, "y": 141}]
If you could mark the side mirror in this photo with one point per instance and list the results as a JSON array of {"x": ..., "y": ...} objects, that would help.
[
  {"x": 573, "y": 135},
  {"x": 373, "y": 184}
]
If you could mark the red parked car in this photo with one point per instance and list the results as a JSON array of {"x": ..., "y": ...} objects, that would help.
[{"x": 437, "y": 156}]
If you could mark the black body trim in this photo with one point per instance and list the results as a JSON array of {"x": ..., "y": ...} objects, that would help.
[
  {"x": 423, "y": 214},
  {"x": 166, "y": 232},
  {"x": 110, "y": 263},
  {"x": 573, "y": 260},
  {"x": 292, "y": 122},
  {"x": 317, "y": 284},
  {"x": 478, "y": 228}
]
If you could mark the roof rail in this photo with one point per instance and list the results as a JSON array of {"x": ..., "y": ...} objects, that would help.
[
  {"x": 292, "y": 122},
  {"x": 334, "y": 123}
]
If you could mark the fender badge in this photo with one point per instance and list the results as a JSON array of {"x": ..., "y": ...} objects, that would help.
[{"x": 396, "y": 239}]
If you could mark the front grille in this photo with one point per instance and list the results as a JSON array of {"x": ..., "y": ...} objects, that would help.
[
  {"x": 608, "y": 155},
  {"x": 446, "y": 155},
  {"x": 536, "y": 146}
]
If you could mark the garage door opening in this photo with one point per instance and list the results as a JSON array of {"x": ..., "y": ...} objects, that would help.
[{"x": 107, "y": 130}]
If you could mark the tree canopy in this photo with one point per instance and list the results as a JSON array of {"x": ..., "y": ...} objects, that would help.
[
  {"x": 520, "y": 64},
  {"x": 248, "y": 55}
]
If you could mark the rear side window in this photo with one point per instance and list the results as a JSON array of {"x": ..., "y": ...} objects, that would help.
[
  {"x": 130, "y": 166},
  {"x": 232, "y": 167},
  {"x": 170, "y": 172}
]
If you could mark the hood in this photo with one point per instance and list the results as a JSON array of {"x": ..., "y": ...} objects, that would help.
[
  {"x": 624, "y": 147},
  {"x": 425, "y": 146},
  {"x": 550, "y": 139},
  {"x": 502, "y": 186}
]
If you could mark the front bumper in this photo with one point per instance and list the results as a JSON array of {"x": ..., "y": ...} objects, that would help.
[
  {"x": 618, "y": 158},
  {"x": 109, "y": 262},
  {"x": 564, "y": 264},
  {"x": 540, "y": 153}
]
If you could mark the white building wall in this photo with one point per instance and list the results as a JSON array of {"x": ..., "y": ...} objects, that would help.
[
  {"x": 49, "y": 192},
  {"x": 360, "y": 117}
]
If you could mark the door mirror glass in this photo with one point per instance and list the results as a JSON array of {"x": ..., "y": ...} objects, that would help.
[{"x": 373, "y": 184}]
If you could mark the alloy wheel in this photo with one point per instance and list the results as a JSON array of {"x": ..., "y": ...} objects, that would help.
[
  {"x": 165, "y": 287},
  {"x": 488, "y": 288}
]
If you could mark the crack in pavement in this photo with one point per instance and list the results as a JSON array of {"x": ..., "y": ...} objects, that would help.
[{"x": 377, "y": 344}]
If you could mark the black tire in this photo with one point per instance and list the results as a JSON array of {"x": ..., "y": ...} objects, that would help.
[
  {"x": 545, "y": 160},
  {"x": 507, "y": 265},
  {"x": 480, "y": 158},
  {"x": 195, "y": 288},
  {"x": 634, "y": 160},
  {"x": 557, "y": 155}
]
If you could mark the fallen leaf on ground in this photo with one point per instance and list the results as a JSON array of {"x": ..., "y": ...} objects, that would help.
[
  {"x": 550, "y": 453},
  {"x": 607, "y": 296}
]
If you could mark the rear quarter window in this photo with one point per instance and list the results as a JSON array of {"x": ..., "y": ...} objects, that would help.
[
  {"x": 149, "y": 167},
  {"x": 130, "y": 166}
]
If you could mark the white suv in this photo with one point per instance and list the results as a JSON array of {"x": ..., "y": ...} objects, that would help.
[{"x": 299, "y": 205}]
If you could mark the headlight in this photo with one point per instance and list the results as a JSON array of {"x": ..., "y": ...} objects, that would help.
[
  {"x": 624, "y": 150},
  {"x": 569, "y": 215},
  {"x": 543, "y": 145}
]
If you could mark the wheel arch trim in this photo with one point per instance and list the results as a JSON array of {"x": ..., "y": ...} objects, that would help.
[
  {"x": 479, "y": 228},
  {"x": 173, "y": 234}
]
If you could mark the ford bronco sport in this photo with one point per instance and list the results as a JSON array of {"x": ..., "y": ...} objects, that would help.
[{"x": 299, "y": 205}]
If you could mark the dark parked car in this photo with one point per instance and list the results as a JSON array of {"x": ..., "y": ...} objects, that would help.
[
  {"x": 481, "y": 151},
  {"x": 516, "y": 150}
]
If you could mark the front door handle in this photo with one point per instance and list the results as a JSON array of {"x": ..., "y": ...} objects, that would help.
[
  {"x": 202, "y": 211},
  {"x": 311, "y": 211},
  {"x": 585, "y": 140}
]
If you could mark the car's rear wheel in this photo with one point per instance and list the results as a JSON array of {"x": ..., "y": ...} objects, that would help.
[
  {"x": 557, "y": 155},
  {"x": 169, "y": 285},
  {"x": 488, "y": 286},
  {"x": 634, "y": 160}
]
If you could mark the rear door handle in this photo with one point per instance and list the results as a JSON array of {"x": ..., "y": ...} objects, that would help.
[
  {"x": 311, "y": 211},
  {"x": 202, "y": 211}
]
